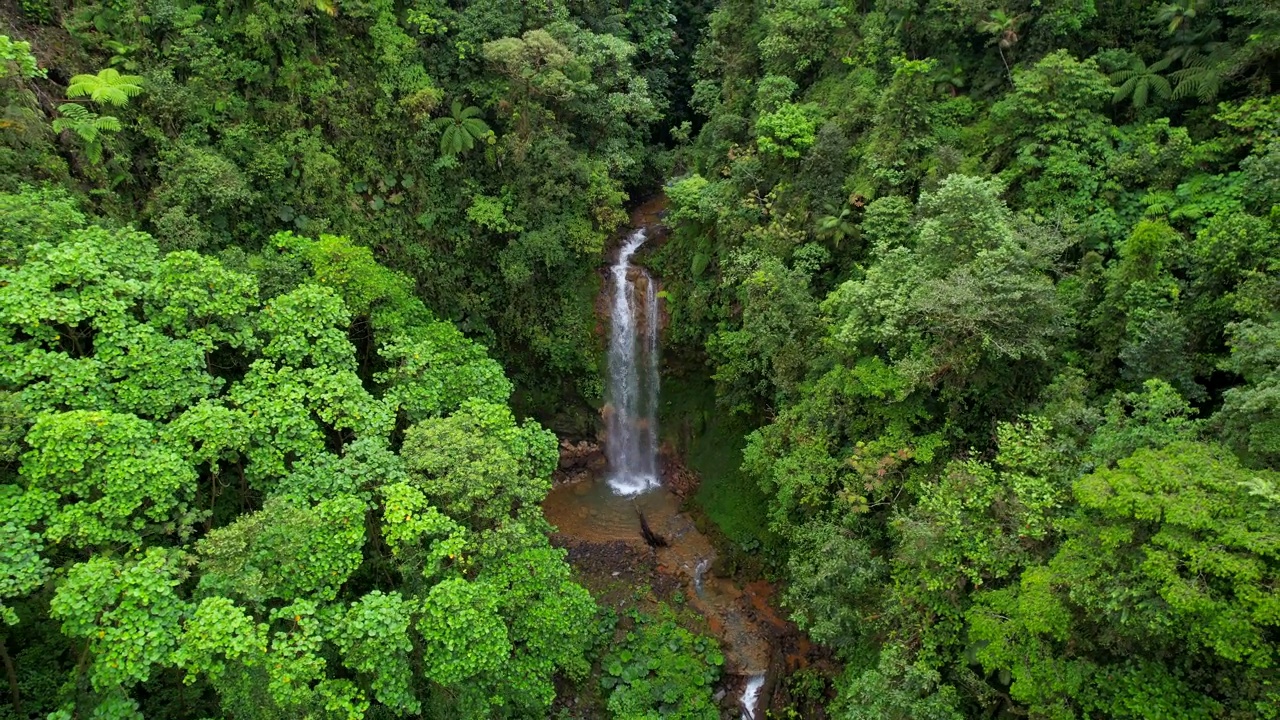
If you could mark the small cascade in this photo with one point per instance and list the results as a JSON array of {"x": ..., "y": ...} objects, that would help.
[
  {"x": 751, "y": 695},
  {"x": 699, "y": 573},
  {"x": 632, "y": 413}
]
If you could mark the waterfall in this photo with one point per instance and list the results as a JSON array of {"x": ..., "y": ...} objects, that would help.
[
  {"x": 751, "y": 695},
  {"x": 632, "y": 414}
]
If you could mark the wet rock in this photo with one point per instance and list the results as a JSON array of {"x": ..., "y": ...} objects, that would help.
[
  {"x": 579, "y": 461},
  {"x": 676, "y": 475},
  {"x": 597, "y": 463}
]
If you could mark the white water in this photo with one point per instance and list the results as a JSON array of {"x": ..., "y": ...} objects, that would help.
[
  {"x": 751, "y": 694},
  {"x": 699, "y": 573},
  {"x": 632, "y": 412}
]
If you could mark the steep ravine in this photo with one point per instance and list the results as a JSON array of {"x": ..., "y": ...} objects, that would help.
[{"x": 599, "y": 517}]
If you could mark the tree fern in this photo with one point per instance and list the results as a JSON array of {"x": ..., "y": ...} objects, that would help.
[
  {"x": 1002, "y": 26},
  {"x": 89, "y": 126},
  {"x": 1176, "y": 16},
  {"x": 836, "y": 226},
  {"x": 461, "y": 129},
  {"x": 1201, "y": 76},
  {"x": 108, "y": 86},
  {"x": 1139, "y": 80}
]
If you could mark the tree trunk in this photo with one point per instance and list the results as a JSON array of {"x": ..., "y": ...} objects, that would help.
[
  {"x": 1007, "y": 69},
  {"x": 12, "y": 674}
]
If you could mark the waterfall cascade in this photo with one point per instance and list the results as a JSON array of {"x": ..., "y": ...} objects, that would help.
[
  {"x": 605, "y": 511},
  {"x": 632, "y": 413},
  {"x": 751, "y": 695}
]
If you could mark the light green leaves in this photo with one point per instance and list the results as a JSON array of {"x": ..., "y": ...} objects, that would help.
[
  {"x": 479, "y": 466},
  {"x": 409, "y": 520},
  {"x": 788, "y": 131},
  {"x": 1169, "y": 553},
  {"x": 22, "y": 568},
  {"x": 85, "y": 123},
  {"x": 217, "y": 633},
  {"x": 104, "y": 478},
  {"x": 134, "y": 385},
  {"x": 305, "y": 329},
  {"x": 128, "y": 612},
  {"x": 287, "y": 551},
  {"x": 462, "y": 633},
  {"x": 1212, "y": 557},
  {"x": 74, "y": 298},
  {"x": 108, "y": 86},
  {"x": 434, "y": 371},
  {"x": 662, "y": 670},
  {"x": 373, "y": 638},
  {"x": 18, "y": 53},
  {"x": 193, "y": 296}
]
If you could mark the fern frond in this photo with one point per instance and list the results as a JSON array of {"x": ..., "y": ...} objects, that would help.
[
  {"x": 1125, "y": 88},
  {"x": 455, "y": 140},
  {"x": 88, "y": 125},
  {"x": 475, "y": 127},
  {"x": 1140, "y": 80},
  {"x": 107, "y": 123},
  {"x": 108, "y": 86},
  {"x": 1202, "y": 81},
  {"x": 461, "y": 129},
  {"x": 1162, "y": 87},
  {"x": 74, "y": 111}
]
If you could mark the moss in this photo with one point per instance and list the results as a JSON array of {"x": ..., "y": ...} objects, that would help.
[{"x": 711, "y": 442}]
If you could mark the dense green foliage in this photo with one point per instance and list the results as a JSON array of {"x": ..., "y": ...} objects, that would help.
[
  {"x": 288, "y": 486},
  {"x": 252, "y": 473},
  {"x": 484, "y": 149},
  {"x": 661, "y": 670},
  {"x": 999, "y": 286},
  {"x": 992, "y": 287}
]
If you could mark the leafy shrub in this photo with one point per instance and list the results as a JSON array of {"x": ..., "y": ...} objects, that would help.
[{"x": 662, "y": 670}]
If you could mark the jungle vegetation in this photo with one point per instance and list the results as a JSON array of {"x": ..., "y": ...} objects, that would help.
[{"x": 294, "y": 294}]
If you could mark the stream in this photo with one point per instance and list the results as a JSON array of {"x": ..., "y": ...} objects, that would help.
[{"x": 608, "y": 506}]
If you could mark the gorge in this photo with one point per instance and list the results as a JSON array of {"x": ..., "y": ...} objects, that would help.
[{"x": 629, "y": 503}]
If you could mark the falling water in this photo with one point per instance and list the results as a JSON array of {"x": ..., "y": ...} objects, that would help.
[
  {"x": 751, "y": 694},
  {"x": 633, "y": 376},
  {"x": 700, "y": 572}
]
